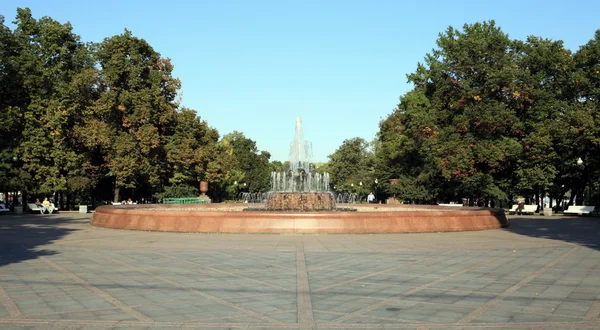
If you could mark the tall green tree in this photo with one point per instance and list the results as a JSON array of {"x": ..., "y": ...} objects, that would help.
[
  {"x": 135, "y": 113},
  {"x": 13, "y": 99},
  {"x": 189, "y": 148},
  {"x": 548, "y": 88},
  {"x": 56, "y": 73},
  {"x": 351, "y": 164},
  {"x": 585, "y": 119},
  {"x": 254, "y": 164}
]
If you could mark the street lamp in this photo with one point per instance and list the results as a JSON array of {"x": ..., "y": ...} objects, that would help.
[{"x": 580, "y": 164}]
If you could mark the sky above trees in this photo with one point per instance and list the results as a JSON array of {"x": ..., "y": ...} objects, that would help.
[{"x": 341, "y": 65}]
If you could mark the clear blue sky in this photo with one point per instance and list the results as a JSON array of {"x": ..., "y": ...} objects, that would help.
[{"x": 253, "y": 66}]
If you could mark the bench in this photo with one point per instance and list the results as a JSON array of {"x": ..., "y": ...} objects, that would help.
[
  {"x": 579, "y": 209},
  {"x": 526, "y": 209},
  {"x": 34, "y": 207},
  {"x": 3, "y": 209}
]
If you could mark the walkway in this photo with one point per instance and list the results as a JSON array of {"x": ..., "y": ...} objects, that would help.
[{"x": 57, "y": 271}]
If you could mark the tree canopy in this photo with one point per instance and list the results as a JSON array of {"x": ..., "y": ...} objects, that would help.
[
  {"x": 102, "y": 121},
  {"x": 490, "y": 118}
]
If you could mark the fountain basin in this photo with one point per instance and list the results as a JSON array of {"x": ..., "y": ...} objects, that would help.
[
  {"x": 305, "y": 201},
  {"x": 230, "y": 218}
]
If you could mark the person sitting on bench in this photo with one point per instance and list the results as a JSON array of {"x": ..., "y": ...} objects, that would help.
[{"x": 46, "y": 206}]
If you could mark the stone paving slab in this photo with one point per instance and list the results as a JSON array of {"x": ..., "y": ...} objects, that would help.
[{"x": 58, "y": 272}]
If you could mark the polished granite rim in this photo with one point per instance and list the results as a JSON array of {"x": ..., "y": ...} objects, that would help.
[{"x": 376, "y": 218}]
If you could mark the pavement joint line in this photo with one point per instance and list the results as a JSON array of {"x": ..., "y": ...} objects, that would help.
[
  {"x": 359, "y": 278},
  {"x": 544, "y": 314},
  {"x": 433, "y": 289},
  {"x": 212, "y": 269},
  {"x": 419, "y": 288},
  {"x": 253, "y": 295},
  {"x": 375, "y": 317},
  {"x": 303, "y": 298},
  {"x": 136, "y": 324},
  {"x": 481, "y": 309},
  {"x": 594, "y": 311},
  {"x": 74, "y": 311},
  {"x": 124, "y": 307},
  {"x": 194, "y": 291},
  {"x": 162, "y": 303},
  {"x": 9, "y": 305},
  {"x": 215, "y": 318}
]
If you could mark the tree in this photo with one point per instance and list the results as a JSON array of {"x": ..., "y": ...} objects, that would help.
[
  {"x": 253, "y": 164},
  {"x": 352, "y": 164},
  {"x": 135, "y": 113},
  {"x": 459, "y": 127},
  {"x": 189, "y": 149},
  {"x": 55, "y": 72},
  {"x": 547, "y": 80},
  {"x": 12, "y": 100},
  {"x": 585, "y": 119}
]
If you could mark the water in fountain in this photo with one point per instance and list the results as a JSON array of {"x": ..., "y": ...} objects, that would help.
[{"x": 300, "y": 187}]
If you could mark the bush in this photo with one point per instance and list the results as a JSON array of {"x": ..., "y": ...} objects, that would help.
[{"x": 179, "y": 190}]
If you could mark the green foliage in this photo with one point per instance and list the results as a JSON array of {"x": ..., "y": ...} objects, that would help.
[
  {"x": 78, "y": 119},
  {"x": 253, "y": 165},
  {"x": 177, "y": 191},
  {"x": 490, "y": 117},
  {"x": 352, "y": 164}
]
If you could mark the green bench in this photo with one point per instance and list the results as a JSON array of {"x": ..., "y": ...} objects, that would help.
[{"x": 185, "y": 200}]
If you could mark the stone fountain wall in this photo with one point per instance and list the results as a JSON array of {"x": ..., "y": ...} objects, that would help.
[{"x": 300, "y": 202}]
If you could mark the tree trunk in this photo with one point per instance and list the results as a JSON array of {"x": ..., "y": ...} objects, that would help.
[
  {"x": 116, "y": 198},
  {"x": 24, "y": 196}
]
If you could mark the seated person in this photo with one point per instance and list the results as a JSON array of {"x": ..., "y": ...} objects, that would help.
[{"x": 46, "y": 205}]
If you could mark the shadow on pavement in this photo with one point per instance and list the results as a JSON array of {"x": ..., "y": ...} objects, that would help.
[
  {"x": 582, "y": 230},
  {"x": 22, "y": 235}
]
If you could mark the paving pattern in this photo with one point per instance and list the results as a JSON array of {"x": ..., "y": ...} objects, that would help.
[{"x": 58, "y": 272}]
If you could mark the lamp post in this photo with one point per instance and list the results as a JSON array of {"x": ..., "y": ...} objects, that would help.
[
  {"x": 580, "y": 164},
  {"x": 376, "y": 192}
]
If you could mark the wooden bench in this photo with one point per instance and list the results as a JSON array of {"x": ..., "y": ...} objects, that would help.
[{"x": 579, "y": 209}]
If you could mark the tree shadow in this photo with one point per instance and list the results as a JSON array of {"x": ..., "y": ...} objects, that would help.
[
  {"x": 22, "y": 237},
  {"x": 582, "y": 230}
]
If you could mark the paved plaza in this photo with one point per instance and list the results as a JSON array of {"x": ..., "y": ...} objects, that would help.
[{"x": 59, "y": 272}]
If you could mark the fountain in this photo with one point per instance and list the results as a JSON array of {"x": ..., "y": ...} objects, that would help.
[
  {"x": 300, "y": 188},
  {"x": 299, "y": 202}
]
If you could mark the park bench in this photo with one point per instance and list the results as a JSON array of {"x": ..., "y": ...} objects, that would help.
[
  {"x": 526, "y": 209},
  {"x": 34, "y": 207},
  {"x": 579, "y": 209},
  {"x": 3, "y": 209}
]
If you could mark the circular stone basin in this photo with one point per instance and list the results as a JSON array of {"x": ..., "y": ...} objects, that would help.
[{"x": 231, "y": 218}]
